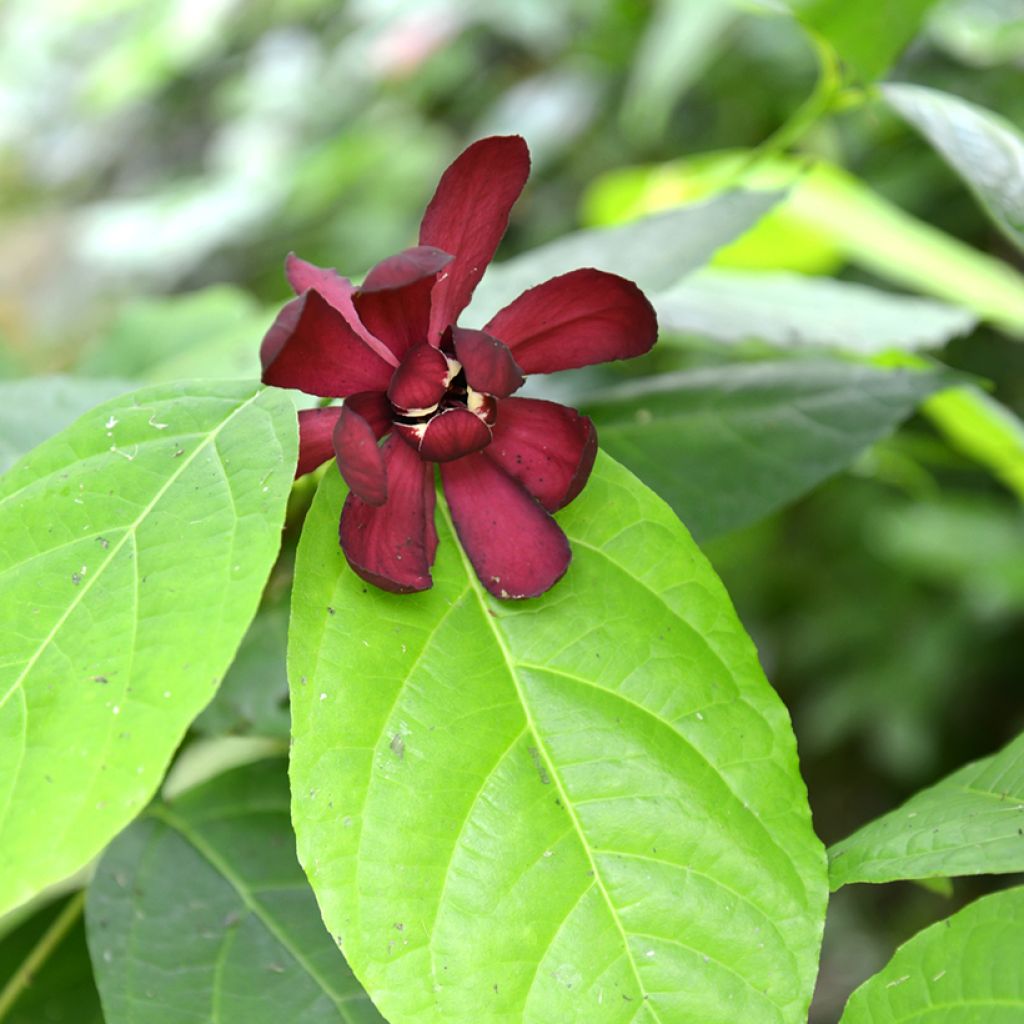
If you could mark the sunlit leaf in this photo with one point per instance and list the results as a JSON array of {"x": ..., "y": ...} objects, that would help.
[
  {"x": 582, "y": 808},
  {"x": 655, "y": 251},
  {"x": 965, "y": 970},
  {"x": 793, "y": 311},
  {"x": 133, "y": 550},
  {"x": 983, "y": 428},
  {"x": 199, "y": 911},
  {"x": 970, "y": 823},
  {"x": 726, "y": 446},
  {"x": 37, "y": 408},
  {"x": 983, "y": 148}
]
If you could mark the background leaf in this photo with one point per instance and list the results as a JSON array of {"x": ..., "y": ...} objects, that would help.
[
  {"x": 796, "y": 311},
  {"x": 61, "y": 989},
  {"x": 968, "y": 824},
  {"x": 727, "y": 445},
  {"x": 582, "y": 808},
  {"x": 199, "y": 911},
  {"x": 868, "y": 35},
  {"x": 133, "y": 550},
  {"x": 35, "y": 409},
  {"x": 654, "y": 252},
  {"x": 982, "y": 147},
  {"x": 965, "y": 969}
]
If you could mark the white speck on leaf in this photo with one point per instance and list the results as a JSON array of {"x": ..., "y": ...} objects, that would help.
[
  {"x": 323, "y": 696},
  {"x": 111, "y": 423},
  {"x": 152, "y": 422}
]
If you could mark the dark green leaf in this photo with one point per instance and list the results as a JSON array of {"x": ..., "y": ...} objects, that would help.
[
  {"x": 199, "y": 912},
  {"x": 584, "y": 808},
  {"x": 728, "y": 445}
]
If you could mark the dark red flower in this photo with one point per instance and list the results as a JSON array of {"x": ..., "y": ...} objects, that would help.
[{"x": 420, "y": 389}]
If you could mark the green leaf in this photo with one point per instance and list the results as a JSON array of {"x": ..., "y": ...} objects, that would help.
[
  {"x": 654, "y": 252},
  {"x": 970, "y": 823},
  {"x": 133, "y": 550},
  {"x": 870, "y": 34},
  {"x": 253, "y": 699},
  {"x": 34, "y": 409},
  {"x": 200, "y": 912},
  {"x": 581, "y": 808},
  {"x": 794, "y": 311},
  {"x": 964, "y": 970},
  {"x": 983, "y": 148},
  {"x": 726, "y": 446},
  {"x": 45, "y": 974}
]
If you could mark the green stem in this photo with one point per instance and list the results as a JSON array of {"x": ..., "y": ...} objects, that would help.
[
  {"x": 49, "y": 941},
  {"x": 824, "y": 98}
]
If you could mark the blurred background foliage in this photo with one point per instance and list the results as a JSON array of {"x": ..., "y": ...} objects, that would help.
[{"x": 158, "y": 158}]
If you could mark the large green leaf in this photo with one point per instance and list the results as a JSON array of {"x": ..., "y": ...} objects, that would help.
[
  {"x": 794, "y": 311},
  {"x": 582, "y": 808},
  {"x": 970, "y": 823},
  {"x": 965, "y": 970},
  {"x": 37, "y": 408},
  {"x": 983, "y": 148},
  {"x": 726, "y": 446},
  {"x": 199, "y": 912},
  {"x": 133, "y": 550},
  {"x": 655, "y": 251}
]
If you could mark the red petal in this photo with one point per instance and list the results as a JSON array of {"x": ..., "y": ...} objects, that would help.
[
  {"x": 391, "y": 545},
  {"x": 374, "y": 408},
  {"x": 421, "y": 379},
  {"x": 302, "y": 276},
  {"x": 580, "y": 318},
  {"x": 549, "y": 448},
  {"x": 311, "y": 347},
  {"x": 316, "y": 428},
  {"x": 406, "y": 267},
  {"x": 488, "y": 363},
  {"x": 516, "y": 548},
  {"x": 452, "y": 434},
  {"x": 339, "y": 293},
  {"x": 467, "y": 217},
  {"x": 359, "y": 459}
]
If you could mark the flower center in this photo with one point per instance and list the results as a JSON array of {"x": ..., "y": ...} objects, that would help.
[{"x": 457, "y": 423}]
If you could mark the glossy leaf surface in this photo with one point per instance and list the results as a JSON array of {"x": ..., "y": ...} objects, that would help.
[
  {"x": 581, "y": 808},
  {"x": 970, "y": 823},
  {"x": 796, "y": 311},
  {"x": 199, "y": 911},
  {"x": 965, "y": 970},
  {"x": 133, "y": 550},
  {"x": 726, "y": 446},
  {"x": 984, "y": 149}
]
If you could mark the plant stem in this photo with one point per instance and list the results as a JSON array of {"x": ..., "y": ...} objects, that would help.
[{"x": 47, "y": 943}]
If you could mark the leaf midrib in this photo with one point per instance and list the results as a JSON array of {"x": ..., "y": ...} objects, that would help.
[{"x": 567, "y": 804}]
